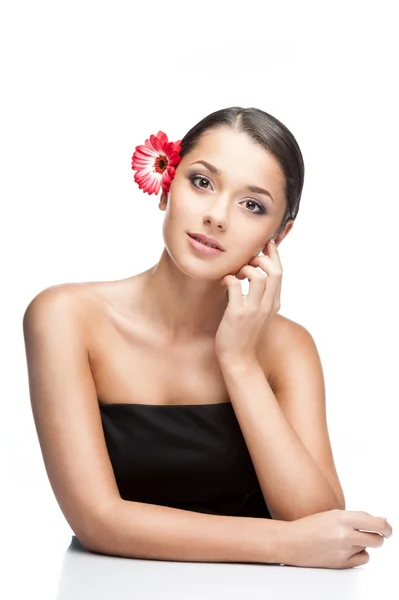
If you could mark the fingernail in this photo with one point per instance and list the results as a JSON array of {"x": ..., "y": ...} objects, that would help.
[{"x": 273, "y": 241}]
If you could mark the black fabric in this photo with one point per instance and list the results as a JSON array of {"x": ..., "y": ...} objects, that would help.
[{"x": 192, "y": 457}]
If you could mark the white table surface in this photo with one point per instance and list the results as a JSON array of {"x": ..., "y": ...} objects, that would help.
[
  {"x": 57, "y": 567},
  {"x": 41, "y": 559}
]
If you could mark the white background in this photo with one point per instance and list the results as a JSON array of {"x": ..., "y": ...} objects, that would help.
[{"x": 84, "y": 83}]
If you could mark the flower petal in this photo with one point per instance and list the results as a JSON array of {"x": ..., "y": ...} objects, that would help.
[{"x": 163, "y": 138}]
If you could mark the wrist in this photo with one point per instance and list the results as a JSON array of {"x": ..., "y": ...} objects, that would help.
[
  {"x": 238, "y": 364},
  {"x": 277, "y": 533},
  {"x": 285, "y": 543}
]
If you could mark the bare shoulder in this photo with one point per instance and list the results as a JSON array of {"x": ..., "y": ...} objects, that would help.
[
  {"x": 285, "y": 340},
  {"x": 69, "y": 300},
  {"x": 64, "y": 292},
  {"x": 284, "y": 332}
]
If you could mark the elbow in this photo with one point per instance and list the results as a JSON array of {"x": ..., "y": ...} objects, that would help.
[
  {"x": 85, "y": 542},
  {"x": 95, "y": 535},
  {"x": 92, "y": 540},
  {"x": 88, "y": 541},
  {"x": 96, "y": 541}
]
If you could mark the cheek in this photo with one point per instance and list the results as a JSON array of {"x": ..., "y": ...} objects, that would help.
[{"x": 180, "y": 202}]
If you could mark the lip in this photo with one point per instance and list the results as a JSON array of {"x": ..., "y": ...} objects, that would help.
[
  {"x": 203, "y": 248},
  {"x": 205, "y": 238}
]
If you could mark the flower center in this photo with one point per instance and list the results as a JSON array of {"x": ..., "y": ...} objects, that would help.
[{"x": 161, "y": 162}]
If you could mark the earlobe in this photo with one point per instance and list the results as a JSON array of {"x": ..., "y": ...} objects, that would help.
[{"x": 163, "y": 201}]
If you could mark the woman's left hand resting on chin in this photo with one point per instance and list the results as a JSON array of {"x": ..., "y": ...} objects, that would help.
[{"x": 245, "y": 318}]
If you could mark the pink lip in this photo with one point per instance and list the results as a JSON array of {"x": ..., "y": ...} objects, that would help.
[
  {"x": 201, "y": 247},
  {"x": 206, "y": 238}
]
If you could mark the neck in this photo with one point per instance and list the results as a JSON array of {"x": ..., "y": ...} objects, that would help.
[{"x": 181, "y": 305}]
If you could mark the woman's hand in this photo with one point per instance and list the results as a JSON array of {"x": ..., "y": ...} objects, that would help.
[
  {"x": 241, "y": 328},
  {"x": 336, "y": 539}
]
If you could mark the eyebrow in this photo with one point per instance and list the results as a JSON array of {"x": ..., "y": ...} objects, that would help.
[{"x": 251, "y": 188}]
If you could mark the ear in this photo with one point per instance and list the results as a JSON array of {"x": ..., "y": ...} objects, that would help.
[
  {"x": 163, "y": 201},
  {"x": 279, "y": 238},
  {"x": 288, "y": 226}
]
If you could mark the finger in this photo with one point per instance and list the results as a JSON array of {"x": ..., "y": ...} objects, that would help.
[
  {"x": 367, "y": 540},
  {"x": 273, "y": 253},
  {"x": 363, "y": 520},
  {"x": 235, "y": 292},
  {"x": 274, "y": 279},
  {"x": 240, "y": 275},
  {"x": 257, "y": 284},
  {"x": 264, "y": 262}
]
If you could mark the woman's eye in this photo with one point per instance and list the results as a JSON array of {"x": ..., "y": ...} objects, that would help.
[
  {"x": 199, "y": 177},
  {"x": 206, "y": 180},
  {"x": 257, "y": 204}
]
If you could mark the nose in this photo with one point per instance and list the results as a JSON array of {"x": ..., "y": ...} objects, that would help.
[{"x": 217, "y": 214}]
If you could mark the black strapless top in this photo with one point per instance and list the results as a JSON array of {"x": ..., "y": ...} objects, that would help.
[{"x": 192, "y": 457}]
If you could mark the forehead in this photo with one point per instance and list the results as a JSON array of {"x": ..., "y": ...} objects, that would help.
[{"x": 239, "y": 158}]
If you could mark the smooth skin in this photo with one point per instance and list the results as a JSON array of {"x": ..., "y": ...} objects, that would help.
[{"x": 105, "y": 340}]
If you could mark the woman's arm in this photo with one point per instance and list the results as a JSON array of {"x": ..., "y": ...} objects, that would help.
[
  {"x": 287, "y": 438},
  {"x": 68, "y": 422},
  {"x": 139, "y": 530}
]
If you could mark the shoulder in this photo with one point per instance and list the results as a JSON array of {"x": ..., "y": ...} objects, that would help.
[
  {"x": 286, "y": 333},
  {"x": 55, "y": 304},
  {"x": 287, "y": 343}
]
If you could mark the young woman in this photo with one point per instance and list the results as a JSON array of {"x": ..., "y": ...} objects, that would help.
[{"x": 178, "y": 418}]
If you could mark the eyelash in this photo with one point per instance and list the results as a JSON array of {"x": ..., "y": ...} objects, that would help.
[{"x": 258, "y": 204}]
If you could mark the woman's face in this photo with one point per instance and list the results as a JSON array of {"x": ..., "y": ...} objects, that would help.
[{"x": 221, "y": 205}]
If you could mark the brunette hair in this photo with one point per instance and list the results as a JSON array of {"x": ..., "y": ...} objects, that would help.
[{"x": 268, "y": 132}]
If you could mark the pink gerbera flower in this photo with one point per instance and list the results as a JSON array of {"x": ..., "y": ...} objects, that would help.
[{"x": 155, "y": 162}]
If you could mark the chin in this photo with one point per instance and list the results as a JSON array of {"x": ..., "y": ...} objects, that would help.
[{"x": 190, "y": 265}]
